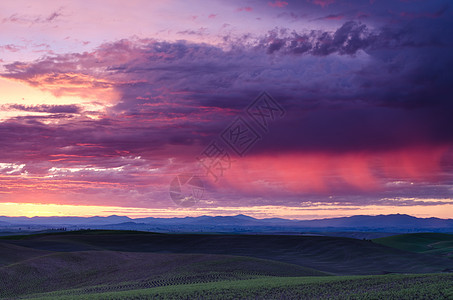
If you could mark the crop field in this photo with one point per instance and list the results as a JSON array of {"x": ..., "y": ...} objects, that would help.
[
  {"x": 137, "y": 265},
  {"x": 429, "y": 286},
  {"x": 133, "y": 270},
  {"x": 428, "y": 243}
]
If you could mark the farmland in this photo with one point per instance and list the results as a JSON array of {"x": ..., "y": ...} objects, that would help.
[
  {"x": 339, "y": 287},
  {"x": 141, "y": 265},
  {"x": 429, "y": 243}
]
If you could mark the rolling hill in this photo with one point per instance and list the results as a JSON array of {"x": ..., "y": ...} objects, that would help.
[
  {"x": 430, "y": 243},
  {"x": 132, "y": 270},
  {"x": 10, "y": 253},
  {"x": 100, "y": 264},
  {"x": 336, "y": 255}
]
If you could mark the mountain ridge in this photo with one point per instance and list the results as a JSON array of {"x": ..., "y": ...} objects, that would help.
[{"x": 357, "y": 221}]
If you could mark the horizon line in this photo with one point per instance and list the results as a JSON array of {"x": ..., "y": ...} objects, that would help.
[{"x": 237, "y": 215}]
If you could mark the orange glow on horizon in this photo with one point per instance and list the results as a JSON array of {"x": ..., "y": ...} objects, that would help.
[{"x": 303, "y": 213}]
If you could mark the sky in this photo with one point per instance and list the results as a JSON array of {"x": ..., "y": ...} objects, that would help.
[{"x": 297, "y": 109}]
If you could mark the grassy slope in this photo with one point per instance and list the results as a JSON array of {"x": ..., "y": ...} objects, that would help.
[
  {"x": 337, "y": 255},
  {"x": 132, "y": 270},
  {"x": 430, "y": 286},
  {"x": 430, "y": 243}
]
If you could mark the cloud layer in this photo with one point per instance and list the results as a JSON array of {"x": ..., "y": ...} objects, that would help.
[{"x": 368, "y": 113}]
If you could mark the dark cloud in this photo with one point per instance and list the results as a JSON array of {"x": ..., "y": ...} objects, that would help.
[
  {"x": 393, "y": 94},
  {"x": 70, "y": 109},
  {"x": 436, "y": 14},
  {"x": 199, "y": 32},
  {"x": 351, "y": 37}
]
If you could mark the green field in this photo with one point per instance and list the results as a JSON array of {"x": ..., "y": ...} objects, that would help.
[
  {"x": 140, "y": 265},
  {"x": 429, "y": 243},
  {"x": 429, "y": 286}
]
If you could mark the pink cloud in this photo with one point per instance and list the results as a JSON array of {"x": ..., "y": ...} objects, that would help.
[
  {"x": 246, "y": 8},
  {"x": 11, "y": 48},
  {"x": 278, "y": 3},
  {"x": 322, "y": 3},
  {"x": 325, "y": 174}
]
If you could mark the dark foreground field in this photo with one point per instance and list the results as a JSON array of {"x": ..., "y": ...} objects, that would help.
[{"x": 138, "y": 265}]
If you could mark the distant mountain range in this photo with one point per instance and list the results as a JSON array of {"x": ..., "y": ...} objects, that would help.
[{"x": 238, "y": 223}]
